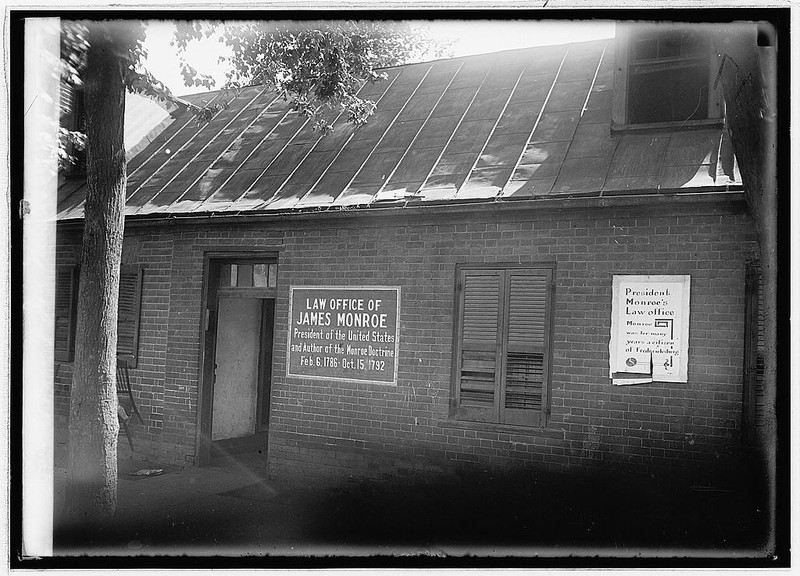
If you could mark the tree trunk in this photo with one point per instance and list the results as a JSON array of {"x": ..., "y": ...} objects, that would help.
[{"x": 93, "y": 424}]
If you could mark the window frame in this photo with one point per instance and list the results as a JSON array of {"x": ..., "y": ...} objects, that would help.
[
  {"x": 68, "y": 356},
  {"x": 503, "y": 416},
  {"x": 252, "y": 290},
  {"x": 620, "y": 117}
]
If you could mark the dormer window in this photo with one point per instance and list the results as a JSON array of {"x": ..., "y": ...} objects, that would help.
[{"x": 664, "y": 77}]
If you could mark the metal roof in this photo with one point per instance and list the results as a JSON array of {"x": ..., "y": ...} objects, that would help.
[{"x": 498, "y": 127}]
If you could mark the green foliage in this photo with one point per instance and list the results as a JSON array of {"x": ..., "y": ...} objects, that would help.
[
  {"x": 318, "y": 66},
  {"x": 127, "y": 36},
  {"x": 322, "y": 65}
]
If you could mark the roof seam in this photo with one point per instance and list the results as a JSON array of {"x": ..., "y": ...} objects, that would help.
[
  {"x": 385, "y": 132},
  {"x": 228, "y": 147},
  {"x": 243, "y": 162},
  {"x": 419, "y": 131},
  {"x": 450, "y": 138},
  {"x": 171, "y": 138},
  {"x": 535, "y": 124},
  {"x": 203, "y": 149},
  {"x": 271, "y": 162},
  {"x": 297, "y": 167},
  {"x": 171, "y": 156},
  {"x": 341, "y": 149},
  {"x": 572, "y": 140},
  {"x": 594, "y": 79},
  {"x": 325, "y": 171},
  {"x": 491, "y": 133},
  {"x": 274, "y": 158},
  {"x": 585, "y": 105}
]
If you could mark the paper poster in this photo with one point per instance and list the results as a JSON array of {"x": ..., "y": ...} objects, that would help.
[{"x": 649, "y": 329}]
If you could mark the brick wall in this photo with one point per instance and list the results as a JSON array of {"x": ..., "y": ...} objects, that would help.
[
  {"x": 67, "y": 254},
  {"x": 154, "y": 253},
  {"x": 369, "y": 429}
]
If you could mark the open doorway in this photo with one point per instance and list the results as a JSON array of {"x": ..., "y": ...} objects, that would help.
[{"x": 236, "y": 379}]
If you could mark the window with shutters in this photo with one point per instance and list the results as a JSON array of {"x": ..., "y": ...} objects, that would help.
[
  {"x": 130, "y": 295},
  {"x": 753, "y": 405},
  {"x": 66, "y": 301},
  {"x": 502, "y": 358},
  {"x": 128, "y": 312}
]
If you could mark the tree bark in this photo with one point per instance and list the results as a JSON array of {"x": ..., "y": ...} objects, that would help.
[{"x": 93, "y": 424}]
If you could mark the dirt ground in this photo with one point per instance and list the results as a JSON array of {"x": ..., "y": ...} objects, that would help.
[{"x": 241, "y": 511}]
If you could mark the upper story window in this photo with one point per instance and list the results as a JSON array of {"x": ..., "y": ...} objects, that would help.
[{"x": 664, "y": 76}]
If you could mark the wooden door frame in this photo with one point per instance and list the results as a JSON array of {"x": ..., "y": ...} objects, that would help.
[{"x": 213, "y": 258}]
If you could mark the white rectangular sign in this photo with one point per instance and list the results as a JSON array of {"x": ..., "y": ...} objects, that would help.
[
  {"x": 344, "y": 333},
  {"x": 649, "y": 329}
]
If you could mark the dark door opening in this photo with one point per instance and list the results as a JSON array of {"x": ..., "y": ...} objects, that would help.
[
  {"x": 237, "y": 365},
  {"x": 240, "y": 404}
]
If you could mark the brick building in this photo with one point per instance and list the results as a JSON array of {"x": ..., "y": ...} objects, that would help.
[{"x": 488, "y": 206}]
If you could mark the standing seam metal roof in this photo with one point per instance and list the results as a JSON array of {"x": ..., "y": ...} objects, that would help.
[{"x": 518, "y": 124}]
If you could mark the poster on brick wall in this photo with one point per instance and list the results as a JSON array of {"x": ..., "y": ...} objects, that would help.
[
  {"x": 344, "y": 333},
  {"x": 649, "y": 329}
]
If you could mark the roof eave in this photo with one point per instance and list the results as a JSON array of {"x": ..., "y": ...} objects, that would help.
[{"x": 614, "y": 198}]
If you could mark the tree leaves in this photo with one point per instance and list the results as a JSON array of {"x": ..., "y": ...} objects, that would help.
[
  {"x": 318, "y": 66},
  {"x": 322, "y": 65}
]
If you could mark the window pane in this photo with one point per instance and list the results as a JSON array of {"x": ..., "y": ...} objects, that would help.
[
  {"x": 224, "y": 276},
  {"x": 245, "y": 279},
  {"x": 261, "y": 275},
  {"x": 273, "y": 275},
  {"x": 673, "y": 95}
]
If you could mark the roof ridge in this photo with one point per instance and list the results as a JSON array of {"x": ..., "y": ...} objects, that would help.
[{"x": 437, "y": 60}]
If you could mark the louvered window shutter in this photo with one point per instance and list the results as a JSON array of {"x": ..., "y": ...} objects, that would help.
[
  {"x": 525, "y": 362},
  {"x": 478, "y": 358},
  {"x": 130, "y": 289},
  {"x": 73, "y": 118},
  {"x": 761, "y": 416},
  {"x": 66, "y": 106},
  {"x": 753, "y": 406},
  {"x": 65, "y": 313}
]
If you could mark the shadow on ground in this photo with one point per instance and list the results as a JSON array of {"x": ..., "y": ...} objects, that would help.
[{"x": 215, "y": 513}]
